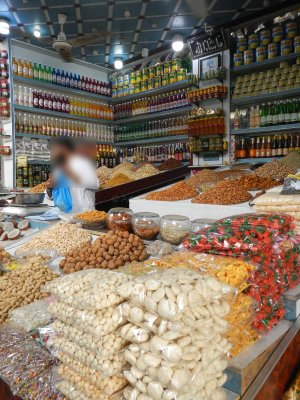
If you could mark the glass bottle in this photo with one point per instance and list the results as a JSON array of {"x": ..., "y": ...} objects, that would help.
[{"x": 30, "y": 70}]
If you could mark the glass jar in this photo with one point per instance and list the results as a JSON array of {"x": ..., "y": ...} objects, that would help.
[
  {"x": 201, "y": 223},
  {"x": 120, "y": 219},
  {"x": 146, "y": 225},
  {"x": 174, "y": 228}
]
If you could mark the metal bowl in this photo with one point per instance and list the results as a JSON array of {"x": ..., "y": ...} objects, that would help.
[{"x": 27, "y": 198}]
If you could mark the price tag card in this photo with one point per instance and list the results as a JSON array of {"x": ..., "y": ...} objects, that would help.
[{"x": 22, "y": 160}]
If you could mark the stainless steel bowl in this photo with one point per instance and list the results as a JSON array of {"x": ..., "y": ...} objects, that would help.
[{"x": 27, "y": 198}]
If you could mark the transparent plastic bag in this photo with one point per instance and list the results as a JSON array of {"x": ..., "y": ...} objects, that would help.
[
  {"x": 169, "y": 292},
  {"x": 107, "y": 345},
  {"x": 96, "y": 323},
  {"x": 72, "y": 393},
  {"x": 107, "y": 384},
  {"x": 12, "y": 336},
  {"x": 108, "y": 366},
  {"x": 31, "y": 316},
  {"x": 158, "y": 248},
  {"x": 89, "y": 289}
]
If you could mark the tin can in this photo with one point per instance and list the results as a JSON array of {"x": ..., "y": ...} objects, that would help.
[
  {"x": 285, "y": 47},
  {"x": 290, "y": 29},
  {"x": 145, "y": 74},
  {"x": 126, "y": 79},
  {"x": 137, "y": 87},
  {"x": 252, "y": 41},
  {"x": 138, "y": 76},
  {"x": 171, "y": 78},
  {"x": 144, "y": 86},
  {"x": 120, "y": 81},
  {"x": 175, "y": 65},
  {"x": 157, "y": 81},
  {"x": 119, "y": 91},
  {"x": 248, "y": 57},
  {"x": 242, "y": 45},
  {"x": 297, "y": 44},
  {"x": 114, "y": 83},
  {"x": 125, "y": 90},
  {"x": 277, "y": 33},
  {"x": 159, "y": 70},
  {"x": 165, "y": 79},
  {"x": 114, "y": 92},
  {"x": 272, "y": 50},
  {"x": 181, "y": 74},
  {"x": 151, "y": 83},
  {"x": 261, "y": 53},
  {"x": 151, "y": 72},
  {"x": 131, "y": 88},
  {"x": 238, "y": 59},
  {"x": 132, "y": 78},
  {"x": 166, "y": 67},
  {"x": 265, "y": 37}
]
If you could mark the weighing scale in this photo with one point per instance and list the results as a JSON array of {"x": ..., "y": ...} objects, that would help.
[{"x": 24, "y": 210}]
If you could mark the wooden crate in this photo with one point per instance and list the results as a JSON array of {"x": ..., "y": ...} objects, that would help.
[
  {"x": 244, "y": 368},
  {"x": 292, "y": 303}
]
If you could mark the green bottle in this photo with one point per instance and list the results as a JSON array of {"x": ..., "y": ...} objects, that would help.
[
  {"x": 294, "y": 111},
  {"x": 41, "y": 73},
  {"x": 49, "y": 75},
  {"x": 281, "y": 113},
  {"x": 35, "y": 72},
  {"x": 275, "y": 114},
  {"x": 269, "y": 115},
  {"x": 45, "y": 74}
]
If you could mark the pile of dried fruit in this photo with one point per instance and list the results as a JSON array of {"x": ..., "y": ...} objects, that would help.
[
  {"x": 226, "y": 192},
  {"x": 40, "y": 188},
  {"x": 103, "y": 174},
  {"x": 255, "y": 182},
  {"x": 171, "y": 163},
  {"x": 118, "y": 179},
  {"x": 111, "y": 251},
  {"x": 178, "y": 191},
  {"x": 145, "y": 170},
  {"x": 92, "y": 215},
  {"x": 275, "y": 169},
  {"x": 203, "y": 177}
]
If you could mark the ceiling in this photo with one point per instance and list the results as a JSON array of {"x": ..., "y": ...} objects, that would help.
[{"x": 152, "y": 23}]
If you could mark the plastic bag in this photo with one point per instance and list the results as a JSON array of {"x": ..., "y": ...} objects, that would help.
[
  {"x": 158, "y": 248},
  {"x": 96, "y": 323},
  {"x": 61, "y": 194},
  {"x": 31, "y": 316},
  {"x": 107, "y": 384},
  {"x": 109, "y": 366},
  {"x": 105, "y": 346}
]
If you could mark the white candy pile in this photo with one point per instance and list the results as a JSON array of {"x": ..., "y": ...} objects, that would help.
[{"x": 176, "y": 328}]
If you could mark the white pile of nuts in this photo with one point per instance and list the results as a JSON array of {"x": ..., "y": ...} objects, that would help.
[
  {"x": 61, "y": 237},
  {"x": 86, "y": 306},
  {"x": 176, "y": 327}
]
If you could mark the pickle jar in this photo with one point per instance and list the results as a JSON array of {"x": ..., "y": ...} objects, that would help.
[
  {"x": 174, "y": 228},
  {"x": 146, "y": 225},
  {"x": 120, "y": 219}
]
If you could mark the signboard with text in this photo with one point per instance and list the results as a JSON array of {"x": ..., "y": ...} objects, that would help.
[{"x": 207, "y": 44}]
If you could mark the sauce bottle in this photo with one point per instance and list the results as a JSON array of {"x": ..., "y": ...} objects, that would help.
[
  {"x": 30, "y": 70},
  {"x": 15, "y": 66},
  {"x": 20, "y": 68}
]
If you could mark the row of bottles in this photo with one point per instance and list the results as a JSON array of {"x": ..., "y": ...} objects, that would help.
[
  {"x": 207, "y": 145},
  {"x": 267, "y": 146},
  {"x": 213, "y": 124},
  {"x": 151, "y": 104},
  {"x": 268, "y": 114},
  {"x": 32, "y": 175},
  {"x": 51, "y": 75},
  {"x": 28, "y": 97},
  {"x": 152, "y": 129},
  {"x": 211, "y": 92},
  {"x": 106, "y": 155},
  {"x": 155, "y": 154},
  {"x": 39, "y": 125}
]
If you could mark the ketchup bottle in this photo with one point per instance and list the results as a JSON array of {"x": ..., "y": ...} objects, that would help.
[
  {"x": 63, "y": 105},
  {"x": 41, "y": 100},
  {"x": 67, "y": 106},
  {"x": 83, "y": 83}
]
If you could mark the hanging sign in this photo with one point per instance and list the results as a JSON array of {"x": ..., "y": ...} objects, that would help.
[{"x": 206, "y": 44}]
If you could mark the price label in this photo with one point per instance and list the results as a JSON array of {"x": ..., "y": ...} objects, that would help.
[{"x": 22, "y": 161}]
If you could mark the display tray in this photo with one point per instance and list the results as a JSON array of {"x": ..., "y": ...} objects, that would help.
[{"x": 139, "y": 185}]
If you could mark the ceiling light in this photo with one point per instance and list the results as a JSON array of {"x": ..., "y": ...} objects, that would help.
[
  {"x": 95, "y": 52},
  {"x": 177, "y": 43},
  {"x": 37, "y": 32},
  {"x": 145, "y": 52},
  {"x": 4, "y": 27},
  {"x": 118, "y": 63},
  {"x": 127, "y": 14},
  {"x": 154, "y": 25}
]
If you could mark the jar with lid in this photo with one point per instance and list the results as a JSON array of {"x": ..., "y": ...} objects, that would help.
[
  {"x": 174, "y": 228},
  {"x": 146, "y": 225},
  {"x": 201, "y": 223},
  {"x": 120, "y": 219}
]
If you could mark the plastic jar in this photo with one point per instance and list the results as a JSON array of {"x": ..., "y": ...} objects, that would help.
[
  {"x": 146, "y": 225},
  {"x": 237, "y": 59},
  {"x": 119, "y": 219},
  {"x": 174, "y": 228},
  {"x": 286, "y": 47},
  {"x": 201, "y": 223}
]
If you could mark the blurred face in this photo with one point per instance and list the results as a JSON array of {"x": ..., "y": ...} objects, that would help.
[{"x": 59, "y": 155}]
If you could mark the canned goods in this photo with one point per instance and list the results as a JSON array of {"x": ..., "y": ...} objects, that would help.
[
  {"x": 252, "y": 41},
  {"x": 144, "y": 86},
  {"x": 261, "y": 53},
  {"x": 277, "y": 33},
  {"x": 137, "y": 87},
  {"x": 120, "y": 81},
  {"x": 114, "y": 83},
  {"x": 145, "y": 74},
  {"x": 151, "y": 72},
  {"x": 237, "y": 59},
  {"x": 138, "y": 76},
  {"x": 248, "y": 57},
  {"x": 114, "y": 92},
  {"x": 150, "y": 83},
  {"x": 131, "y": 89},
  {"x": 171, "y": 78},
  {"x": 125, "y": 90},
  {"x": 119, "y": 91},
  {"x": 126, "y": 79},
  {"x": 175, "y": 65},
  {"x": 285, "y": 47},
  {"x": 297, "y": 44},
  {"x": 165, "y": 79},
  {"x": 159, "y": 70},
  {"x": 265, "y": 37},
  {"x": 166, "y": 67},
  {"x": 132, "y": 78},
  {"x": 290, "y": 30},
  {"x": 242, "y": 45},
  {"x": 272, "y": 50},
  {"x": 181, "y": 74},
  {"x": 157, "y": 81}
]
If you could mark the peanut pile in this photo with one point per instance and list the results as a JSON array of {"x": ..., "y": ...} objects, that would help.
[
  {"x": 255, "y": 182},
  {"x": 178, "y": 191},
  {"x": 204, "y": 176},
  {"x": 275, "y": 169}
]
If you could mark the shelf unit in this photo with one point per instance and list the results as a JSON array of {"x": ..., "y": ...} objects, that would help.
[
  {"x": 266, "y": 129},
  {"x": 253, "y": 100},
  {"x": 165, "y": 139},
  {"x": 64, "y": 89},
  {"x": 48, "y": 137},
  {"x": 48, "y": 113},
  {"x": 157, "y": 115},
  {"x": 262, "y": 65},
  {"x": 257, "y": 160},
  {"x": 185, "y": 84}
]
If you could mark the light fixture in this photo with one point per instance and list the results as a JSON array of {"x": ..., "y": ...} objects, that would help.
[
  {"x": 4, "y": 27},
  {"x": 127, "y": 14},
  {"x": 37, "y": 32},
  {"x": 95, "y": 52},
  {"x": 177, "y": 43},
  {"x": 118, "y": 63},
  {"x": 154, "y": 25},
  {"x": 145, "y": 52}
]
